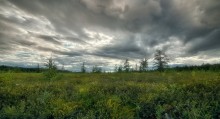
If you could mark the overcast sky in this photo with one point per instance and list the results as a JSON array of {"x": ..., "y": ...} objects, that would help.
[{"x": 106, "y": 32}]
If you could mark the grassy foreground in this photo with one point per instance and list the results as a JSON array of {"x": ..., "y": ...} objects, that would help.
[{"x": 188, "y": 95}]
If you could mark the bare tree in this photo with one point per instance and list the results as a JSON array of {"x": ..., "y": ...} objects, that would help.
[{"x": 160, "y": 60}]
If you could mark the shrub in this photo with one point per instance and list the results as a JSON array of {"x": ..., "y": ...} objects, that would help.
[{"x": 51, "y": 71}]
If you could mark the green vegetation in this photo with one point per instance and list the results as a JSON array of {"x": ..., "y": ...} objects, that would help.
[{"x": 169, "y": 94}]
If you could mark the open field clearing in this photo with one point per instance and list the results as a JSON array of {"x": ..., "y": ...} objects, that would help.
[{"x": 120, "y": 95}]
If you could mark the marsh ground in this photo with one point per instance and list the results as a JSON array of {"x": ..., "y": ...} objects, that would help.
[{"x": 187, "y": 94}]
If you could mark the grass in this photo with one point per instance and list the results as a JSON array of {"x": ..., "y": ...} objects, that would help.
[{"x": 187, "y": 95}]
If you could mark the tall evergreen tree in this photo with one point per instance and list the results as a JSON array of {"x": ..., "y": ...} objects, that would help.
[
  {"x": 160, "y": 60},
  {"x": 51, "y": 64},
  {"x": 126, "y": 66},
  {"x": 143, "y": 65},
  {"x": 83, "y": 68}
]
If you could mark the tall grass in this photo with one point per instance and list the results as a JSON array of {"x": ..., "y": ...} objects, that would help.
[{"x": 121, "y": 95}]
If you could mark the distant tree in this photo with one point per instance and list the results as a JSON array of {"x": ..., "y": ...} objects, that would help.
[
  {"x": 126, "y": 66},
  {"x": 120, "y": 68},
  {"x": 143, "y": 65},
  {"x": 96, "y": 69},
  {"x": 83, "y": 68},
  {"x": 160, "y": 60},
  {"x": 51, "y": 69},
  {"x": 50, "y": 64}
]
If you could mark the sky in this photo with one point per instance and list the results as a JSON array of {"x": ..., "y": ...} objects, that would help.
[{"x": 106, "y": 32}]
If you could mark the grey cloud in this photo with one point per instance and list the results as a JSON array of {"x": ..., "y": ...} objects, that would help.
[
  {"x": 48, "y": 38},
  {"x": 122, "y": 49},
  {"x": 26, "y": 43},
  {"x": 137, "y": 26},
  {"x": 210, "y": 41},
  {"x": 56, "y": 51},
  {"x": 77, "y": 40},
  {"x": 5, "y": 43}
]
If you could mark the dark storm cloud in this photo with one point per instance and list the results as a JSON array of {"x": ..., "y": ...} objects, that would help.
[
  {"x": 111, "y": 28},
  {"x": 123, "y": 49},
  {"x": 210, "y": 41},
  {"x": 185, "y": 19}
]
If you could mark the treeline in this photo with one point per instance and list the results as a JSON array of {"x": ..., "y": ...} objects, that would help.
[
  {"x": 160, "y": 63},
  {"x": 4, "y": 68},
  {"x": 204, "y": 67},
  {"x": 19, "y": 69}
]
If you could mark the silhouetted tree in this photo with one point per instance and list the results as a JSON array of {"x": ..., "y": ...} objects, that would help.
[
  {"x": 96, "y": 69},
  {"x": 120, "y": 68},
  {"x": 83, "y": 68},
  {"x": 126, "y": 66},
  {"x": 143, "y": 65},
  {"x": 51, "y": 64},
  {"x": 160, "y": 60}
]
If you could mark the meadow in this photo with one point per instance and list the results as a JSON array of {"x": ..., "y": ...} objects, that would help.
[{"x": 150, "y": 95}]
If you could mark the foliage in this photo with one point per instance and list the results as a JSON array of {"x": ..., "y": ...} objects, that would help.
[{"x": 149, "y": 95}]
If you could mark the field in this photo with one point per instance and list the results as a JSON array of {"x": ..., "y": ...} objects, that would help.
[{"x": 186, "y": 95}]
